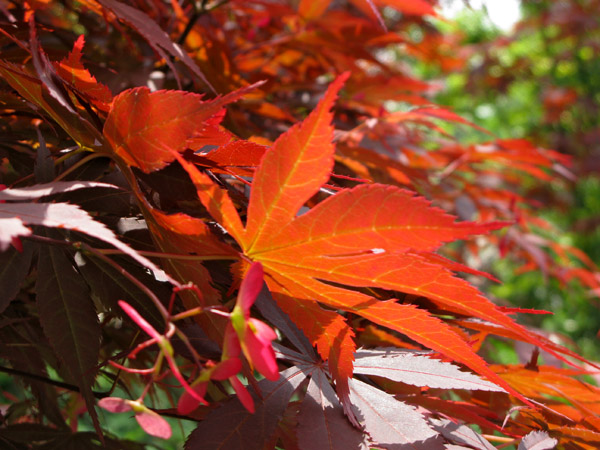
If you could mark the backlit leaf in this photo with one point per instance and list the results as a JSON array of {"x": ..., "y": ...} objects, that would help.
[
  {"x": 71, "y": 69},
  {"x": 145, "y": 127},
  {"x": 291, "y": 172},
  {"x": 311, "y": 9},
  {"x": 367, "y": 218},
  {"x": 239, "y": 157},
  {"x": 413, "y": 7},
  {"x": 359, "y": 237}
]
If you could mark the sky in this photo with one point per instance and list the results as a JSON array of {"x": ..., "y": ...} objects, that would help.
[{"x": 504, "y": 13}]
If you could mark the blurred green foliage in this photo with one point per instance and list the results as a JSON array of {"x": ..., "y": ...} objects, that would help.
[{"x": 542, "y": 82}]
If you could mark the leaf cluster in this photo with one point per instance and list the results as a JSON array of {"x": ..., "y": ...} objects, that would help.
[{"x": 151, "y": 166}]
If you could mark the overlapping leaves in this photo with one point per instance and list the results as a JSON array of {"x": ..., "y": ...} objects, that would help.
[{"x": 368, "y": 236}]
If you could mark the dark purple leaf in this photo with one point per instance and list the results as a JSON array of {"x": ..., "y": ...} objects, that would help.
[
  {"x": 276, "y": 317},
  {"x": 156, "y": 37},
  {"x": 44, "y": 169},
  {"x": 299, "y": 359},
  {"x": 389, "y": 422},
  {"x": 461, "y": 434},
  {"x": 537, "y": 440},
  {"x": 108, "y": 284},
  {"x": 418, "y": 370},
  {"x": 27, "y": 433},
  {"x": 322, "y": 423},
  {"x": 232, "y": 427},
  {"x": 68, "y": 318},
  {"x": 30, "y": 360},
  {"x": 45, "y": 70},
  {"x": 14, "y": 267}
]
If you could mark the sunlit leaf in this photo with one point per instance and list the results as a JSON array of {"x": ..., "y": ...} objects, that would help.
[
  {"x": 417, "y": 369},
  {"x": 537, "y": 440}
]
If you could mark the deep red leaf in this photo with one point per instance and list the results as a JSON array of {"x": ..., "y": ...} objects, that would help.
[
  {"x": 239, "y": 157},
  {"x": 144, "y": 128}
]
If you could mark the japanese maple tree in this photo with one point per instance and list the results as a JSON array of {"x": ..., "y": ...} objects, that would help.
[{"x": 213, "y": 212}]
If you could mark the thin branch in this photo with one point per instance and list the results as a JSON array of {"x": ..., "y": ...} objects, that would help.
[
  {"x": 73, "y": 388},
  {"x": 59, "y": 384},
  {"x": 111, "y": 251}
]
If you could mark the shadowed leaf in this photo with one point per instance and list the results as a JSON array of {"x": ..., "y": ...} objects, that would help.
[
  {"x": 68, "y": 318},
  {"x": 77, "y": 125},
  {"x": 14, "y": 267},
  {"x": 232, "y": 427},
  {"x": 322, "y": 424},
  {"x": 156, "y": 37}
]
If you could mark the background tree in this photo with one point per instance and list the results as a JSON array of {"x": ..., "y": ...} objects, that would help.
[{"x": 539, "y": 81}]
